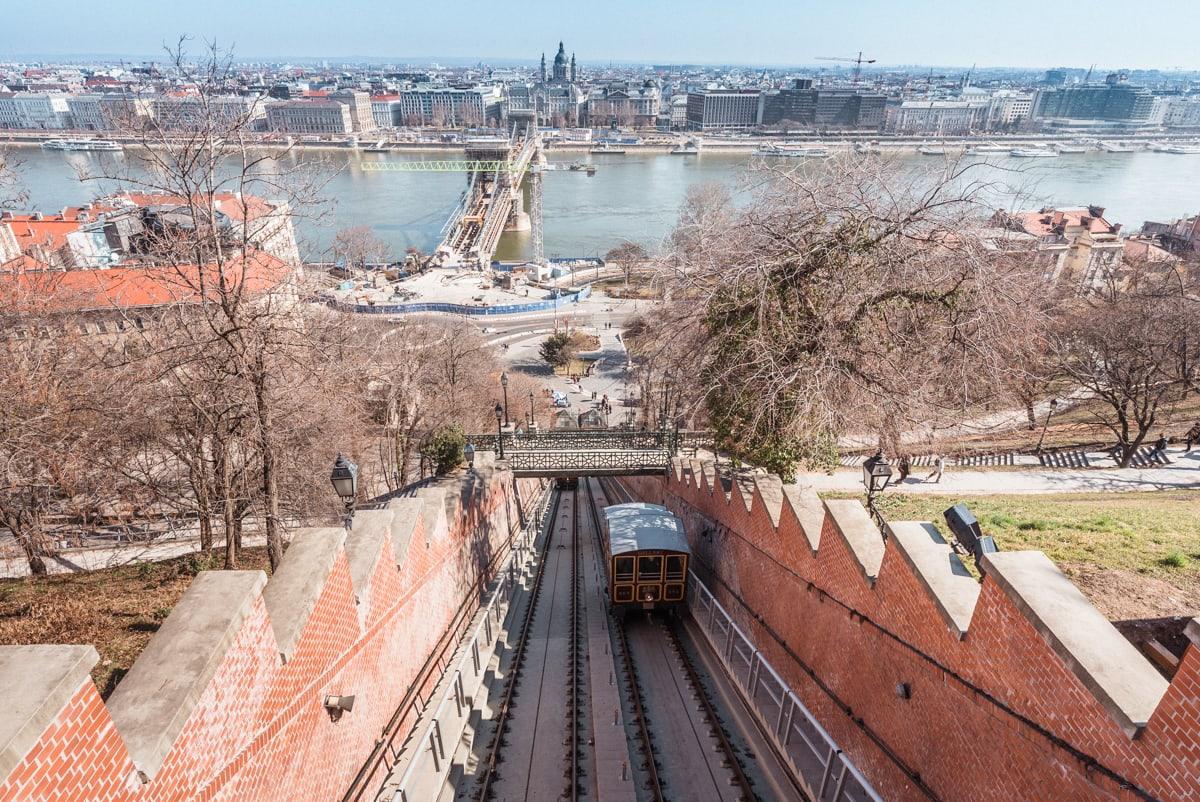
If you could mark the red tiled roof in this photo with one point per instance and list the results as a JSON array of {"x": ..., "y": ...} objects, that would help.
[
  {"x": 49, "y": 232},
  {"x": 1052, "y": 221},
  {"x": 26, "y": 283}
]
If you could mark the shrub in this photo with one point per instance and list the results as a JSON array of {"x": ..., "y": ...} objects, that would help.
[
  {"x": 446, "y": 449},
  {"x": 1175, "y": 559}
]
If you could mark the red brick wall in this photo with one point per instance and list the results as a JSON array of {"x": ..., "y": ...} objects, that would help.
[
  {"x": 259, "y": 731},
  {"x": 996, "y": 715}
]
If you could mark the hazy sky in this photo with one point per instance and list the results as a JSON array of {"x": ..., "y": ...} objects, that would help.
[{"x": 1109, "y": 33}]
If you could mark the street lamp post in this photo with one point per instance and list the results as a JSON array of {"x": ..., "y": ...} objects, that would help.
[
  {"x": 469, "y": 453},
  {"x": 876, "y": 475},
  {"x": 531, "y": 407},
  {"x": 504, "y": 387},
  {"x": 1046, "y": 425},
  {"x": 500, "y": 430},
  {"x": 344, "y": 479}
]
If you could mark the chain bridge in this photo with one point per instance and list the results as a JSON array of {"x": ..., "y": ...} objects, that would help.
[{"x": 590, "y": 452}]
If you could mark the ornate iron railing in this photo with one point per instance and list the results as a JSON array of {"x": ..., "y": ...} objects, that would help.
[
  {"x": 592, "y": 463},
  {"x": 574, "y": 439}
]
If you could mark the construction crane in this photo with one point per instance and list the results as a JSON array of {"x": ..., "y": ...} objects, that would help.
[{"x": 858, "y": 62}]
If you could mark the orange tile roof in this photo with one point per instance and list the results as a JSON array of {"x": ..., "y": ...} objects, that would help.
[
  {"x": 49, "y": 232},
  {"x": 1049, "y": 221},
  {"x": 26, "y": 284}
]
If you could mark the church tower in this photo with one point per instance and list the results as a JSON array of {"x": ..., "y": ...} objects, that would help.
[
  {"x": 560, "y": 65},
  {"x": 573, "y": 79},
  {"x": 543, "y": 73}
]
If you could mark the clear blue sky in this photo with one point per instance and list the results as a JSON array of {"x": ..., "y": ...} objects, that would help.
[{"x": 1148, "y": 33}]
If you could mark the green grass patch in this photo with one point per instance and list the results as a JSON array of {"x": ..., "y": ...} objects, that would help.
[{"x": 1151, "y": 533}]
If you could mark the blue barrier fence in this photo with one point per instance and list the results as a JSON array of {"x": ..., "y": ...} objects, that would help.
[{"x": 462, "y": 309}]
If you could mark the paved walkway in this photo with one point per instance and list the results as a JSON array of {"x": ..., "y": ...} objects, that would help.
[{"x": 1183, "y": 473}]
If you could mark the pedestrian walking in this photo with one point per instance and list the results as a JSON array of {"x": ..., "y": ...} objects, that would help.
[
  {"x": 939, "y": 466},
  {"x": 1193, "y": 435},
  {"x": 905, "y": 468}
]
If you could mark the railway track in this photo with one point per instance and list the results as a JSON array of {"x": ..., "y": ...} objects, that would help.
[{"x": 504, "y": 712}]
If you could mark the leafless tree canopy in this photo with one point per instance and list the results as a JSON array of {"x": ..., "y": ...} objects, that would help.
[{"x": 849, "y": 298}]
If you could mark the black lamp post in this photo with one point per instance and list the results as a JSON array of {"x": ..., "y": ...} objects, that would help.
[
  {"x": 1046, "y": 425},
  {"x": 504, "y": 386},
  {"x": 469, "y": 453},
  {"x": 876, "y": 475},
  {"x": 344, "y": 479},
  {"x": 499, "y": 429},
  {"x": 531, "y": 407}
]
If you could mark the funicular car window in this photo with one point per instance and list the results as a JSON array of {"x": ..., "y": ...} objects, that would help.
[
  {"x": 624, "y": 569},
  {"x": 675, "y": 566},
  {"x": 650, "y": 567}
]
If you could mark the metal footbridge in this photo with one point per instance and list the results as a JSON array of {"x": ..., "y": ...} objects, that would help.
[
  {"x": 492, "y": 201},
  {"x": 590, "y": 452}
]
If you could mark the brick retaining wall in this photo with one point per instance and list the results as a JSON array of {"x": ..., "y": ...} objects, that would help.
[
  {"x": 225, "y": 703},
  {"x": 1016, "y": 688}
]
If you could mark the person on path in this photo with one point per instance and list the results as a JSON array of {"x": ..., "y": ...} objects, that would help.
[
  {"x": 905, "y": 469},
  {"x": 939, "y": 466},
  {"x": 1193, "y": 434},
  {"x": 1160, "y": 447}
]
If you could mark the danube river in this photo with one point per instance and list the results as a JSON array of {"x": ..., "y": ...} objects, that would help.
[{"x": 636, "y": 196}]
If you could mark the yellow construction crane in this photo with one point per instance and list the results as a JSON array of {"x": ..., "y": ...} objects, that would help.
[{"x": 858, "y": 62}]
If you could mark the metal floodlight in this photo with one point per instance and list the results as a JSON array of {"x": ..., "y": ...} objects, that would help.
[
  {"x": 504, "y": 379},
  {"x": 499, "y": 413},
  {"x": 335, "y": 705},
  {"x": 876, "y": 473},
  {"x": 344, "y": 478}
]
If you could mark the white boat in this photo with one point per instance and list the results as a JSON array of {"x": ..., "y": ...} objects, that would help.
[
  {"x": 794, "y": 151},
  {"x": 987, "y": 147},
  {"x": 378, "y": 147},
  {"x": 1031, "y": 153},
  {"x": 80, "y": 144},
  {"x": 1061, "y": 148},
  {"x": 607, "y": 147},
  {"x": 865, "y": 149},
  {"x": 689, "y": 148},
  {"x": 1188, "y": 150},
  {"x": 931, "y": 150},
  {"x": 1117, "y": 147}
]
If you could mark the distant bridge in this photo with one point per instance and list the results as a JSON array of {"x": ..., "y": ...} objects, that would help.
[
  {"x": 590, "y": 452},
  {"x": 492, "y": 202}
]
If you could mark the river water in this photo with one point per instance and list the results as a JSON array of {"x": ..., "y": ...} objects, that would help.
[{"x": 635, "y": 196}]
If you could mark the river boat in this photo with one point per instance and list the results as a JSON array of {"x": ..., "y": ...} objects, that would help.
[
  {"x": 987, "y": 147},
  {"x": 608, "y": 147},
  {"x": 1061, "y": 148},
  {"x": 867, "y": 149},
  {"x": 1183, "y": 150},
  {"x": 1117, "y": 147},
  {"x": 376, "y": 148},
  {"x": 689, "y": 148},
  {"x": 931, "y": 150},
  {"x": 80, "y": 145},
  {"x": 794, "y": 151},
  {"x": 1031, "y": 153}
]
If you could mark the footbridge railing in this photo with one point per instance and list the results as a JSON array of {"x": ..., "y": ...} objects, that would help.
[{"x": 589, "y": 452}]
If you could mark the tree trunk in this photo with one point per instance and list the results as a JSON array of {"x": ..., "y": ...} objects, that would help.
[
  {"x": 270, "y": 488},
  {"x": 1029, "y": 414},
  {"x": 227, "y": 511},
  {"x": 200, "y": 488}
]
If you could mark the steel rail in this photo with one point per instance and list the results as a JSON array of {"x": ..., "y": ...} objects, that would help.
[
  {"x": 710, "y": 713},
  {"x": 635, "y": 694},
  {"x": 574, "y": 667},
  {"x": 518, "y": 656}
]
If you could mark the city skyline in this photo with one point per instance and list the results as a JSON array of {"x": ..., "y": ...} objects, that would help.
[{"x": 767, "y": 33}]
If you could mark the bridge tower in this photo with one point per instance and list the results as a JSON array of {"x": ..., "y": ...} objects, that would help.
[{"x": 535, "y": 208}]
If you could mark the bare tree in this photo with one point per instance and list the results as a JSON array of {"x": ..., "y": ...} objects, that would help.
[
  {"x": 627, "y": 256},
  {"x": 1123, "y": 348},
  {"x": 821, "y": 306}
]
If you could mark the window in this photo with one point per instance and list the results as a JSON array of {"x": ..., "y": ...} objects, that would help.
[
  {"x": 675, "y": 567},
  {"x": 623, "y": 593},
  {"x": 673, "y": 592},
  {"x": 650, "y": 567},
  {"x": 624, "y": 569}
]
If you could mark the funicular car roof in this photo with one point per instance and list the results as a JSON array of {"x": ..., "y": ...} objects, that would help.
[{"x": 643, "y": 527}]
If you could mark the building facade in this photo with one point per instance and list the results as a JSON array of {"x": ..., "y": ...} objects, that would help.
[
  {"x": 936, "y": 117},
  {"x": 1114, "y": 100},
  {"x": 718, "y": 109},
  {"x": 623, "y": 104},
  {"x": 449, "y": 106},
  {"x": 34, "y": 110},
  {"x": 362, "y": 116},
  {"x": 309, "y": 116}
]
